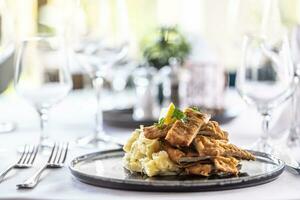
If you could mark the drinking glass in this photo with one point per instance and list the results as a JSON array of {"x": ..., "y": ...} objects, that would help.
[
  {"x": 7, "y": 49},
  {"x": 6, "y": 76},
  {"x": 265, "y": 79},
  {"x": 294, "y": 134},
  {"x": 42, "y": 76},
  {"x": 101, "y": 43}
]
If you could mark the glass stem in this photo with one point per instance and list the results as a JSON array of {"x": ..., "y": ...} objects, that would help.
[
  {"x": 43, "y": 113},
  {"x": 265, "y": 126},
  {"x": 294, "y": 111},
  {"x": 98, "y": 84},
  {"x": 295, "y": 104},
  {"x": 294, "y": 122}
]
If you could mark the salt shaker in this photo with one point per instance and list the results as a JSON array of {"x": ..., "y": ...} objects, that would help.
[
  {"x": 146, "y": 93},
  {"x": 170, "y": 82}
]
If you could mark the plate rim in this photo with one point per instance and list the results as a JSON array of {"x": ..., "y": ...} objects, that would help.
[
  {"x": 230, "y": 112},
  {"x": 183, "y": 185}
]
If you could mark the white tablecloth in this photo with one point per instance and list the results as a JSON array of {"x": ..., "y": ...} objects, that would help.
[{"x": 74, "y": 117}]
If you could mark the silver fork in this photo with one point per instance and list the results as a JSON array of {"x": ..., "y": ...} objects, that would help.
[
  {"x": 56, "y": 159},
  {"x": 26, "y": 160}
]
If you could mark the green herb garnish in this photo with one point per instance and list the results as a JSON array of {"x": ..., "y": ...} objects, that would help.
[
  {"x": 179, "y": 115},
  {"x": 195, "y": 108},
  {"x": 160, "y": 123}
]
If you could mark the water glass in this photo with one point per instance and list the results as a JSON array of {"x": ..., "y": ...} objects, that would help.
[
  {"x": 37, "y": 58},
  {"x": 265, "y": 79}
]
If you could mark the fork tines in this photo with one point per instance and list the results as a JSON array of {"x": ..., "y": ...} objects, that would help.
[
  {"x": 28, "y": 155},
  {"x": 25, "y": 161},
  {"x": 58, "y": 154}
]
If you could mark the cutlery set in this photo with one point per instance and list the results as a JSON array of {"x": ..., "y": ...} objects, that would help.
[{"x": 56, "y": 159}]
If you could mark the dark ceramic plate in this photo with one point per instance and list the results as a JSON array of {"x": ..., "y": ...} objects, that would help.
[
  {"x": 123, "y": 118},
  {"x": 105, "y": 169}
]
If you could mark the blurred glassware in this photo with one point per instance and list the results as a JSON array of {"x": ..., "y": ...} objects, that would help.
[
  {"x": 294, "y": 135},
  {"x": 246, "y": 17},
  {"x": 265, "y": 79},
  {"x": 6, "y": 76},
  {"x": 36, "y": 57},
  {"x": 146, "y": 105},
  {"x": 170, "y": 80},
  {"x": 101, "y": 42},
  {"x": 205, "y": 86},
  {"x": 202, "y": 83},
  {"x": 7, "y": 49},
  {"x": 120, "y": 75}
]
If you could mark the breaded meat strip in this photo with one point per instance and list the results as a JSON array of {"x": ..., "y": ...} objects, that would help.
[
  {"x": 183, "y": 133},
  {"x": 174, "y": 154},
  {"x": 212, "y": 129},
  {"x": 182, "y": 158},
  {"x": 154, "y": 132},
  {"x": 211, "y": 147},
  {"x": 200, "y": 169},
  {"x": 226, "y": 165}
]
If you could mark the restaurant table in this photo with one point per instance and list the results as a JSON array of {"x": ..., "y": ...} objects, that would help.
[{"x": 74, "y": 117}]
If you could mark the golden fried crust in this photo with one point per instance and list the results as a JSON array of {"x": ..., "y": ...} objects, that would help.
[
  {"x": 212, "y": 129},
  {"x": 183, "y": 133},
  {"x": 226, "y": 164},
  {"x": 154, "y": 132},
  {"x": 199, "y": 169},
  {"x": 210, "y": 147},
  {"x": 183, "y": 158},
  {"x": 174, "y": 154},
  {"x": 192, "y": 154}
]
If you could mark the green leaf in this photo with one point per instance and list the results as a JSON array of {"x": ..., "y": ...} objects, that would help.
[
  {"x": 195, "y": 108},
  {"x": 160, "y": 123},
  {"x": 179, "y": 115},
  {"x": 163, "y": 44}
]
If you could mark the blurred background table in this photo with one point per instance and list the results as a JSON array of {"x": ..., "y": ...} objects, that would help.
[{"x": 68, "y": 121}]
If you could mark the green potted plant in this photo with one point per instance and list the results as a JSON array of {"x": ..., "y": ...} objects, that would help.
[
  {"x": 159, "y": 49},
  {"x": 163, "y": 44}
]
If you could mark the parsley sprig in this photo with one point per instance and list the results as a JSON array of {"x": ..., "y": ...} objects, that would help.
[
  {"x": 179, "y": 115},
  {"x": 160, "y": 123},
  {"x": 195, "y": 108}
]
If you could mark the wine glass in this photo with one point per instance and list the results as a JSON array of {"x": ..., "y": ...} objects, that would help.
[
  {"x": 42, "y": 76},
  {"x": 265, "y": 79},
  {"x": 7, "y": 49},
  {"x": 101, "y": 43},
  {"x": 294, "y": 133},
  {"x": 6, "y": 76}
]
